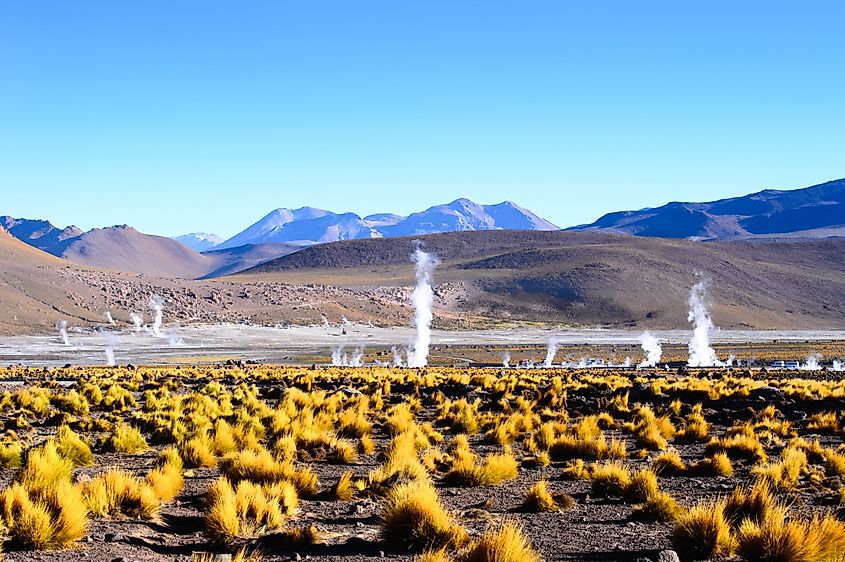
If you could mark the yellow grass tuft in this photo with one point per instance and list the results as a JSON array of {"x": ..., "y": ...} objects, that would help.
[
  {"x": 504, "y": 543},
  {"x": 703, "y": 533},
  {"x": 117, "y": 492},
  {"x": 125, "y": 439},
  {"x": 414, "y": 517}
]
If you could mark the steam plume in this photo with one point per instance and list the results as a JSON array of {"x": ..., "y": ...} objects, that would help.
[
  {"x": 700, "y": 352},
  {"x": 506, "y": 360},
  {"x": 812, "y": 363},
  {"x": 397, "y": 358},
  {"x": 108, "y": 317},
  {"x": 61, "y": 326},
  {"x": 137, "y": 320},
  {"x": 423, "y": 299},
  {"x": 110, "y": 341},
  {"x": 157, "y": 306},
  {"x": 341, "y": 359},
  {"x": 551, "y": 351},
  {"x": 338, "y": 358},
  {"x": 651, "y": 348}
]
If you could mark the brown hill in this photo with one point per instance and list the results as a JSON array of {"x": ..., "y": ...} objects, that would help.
[
  {"x": 123, "y": 248},
  {"x": 38, "y": 289},
  {"x": 34, "y": 293},
  {"x": 593, "y": 278}
]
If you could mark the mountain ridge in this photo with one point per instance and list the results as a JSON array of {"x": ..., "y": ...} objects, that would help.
[
  {"x": 308, "y": 225},
  {"x": 816, "y": 211}
]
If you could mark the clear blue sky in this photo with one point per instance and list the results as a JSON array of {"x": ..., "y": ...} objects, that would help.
[{"x": 175, "y": 116}]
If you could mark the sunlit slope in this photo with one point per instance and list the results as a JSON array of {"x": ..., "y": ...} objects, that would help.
[{"x": 589, "y": 278}]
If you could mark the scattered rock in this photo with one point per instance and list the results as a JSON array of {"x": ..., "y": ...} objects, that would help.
[{"x": 668, "y": 556}]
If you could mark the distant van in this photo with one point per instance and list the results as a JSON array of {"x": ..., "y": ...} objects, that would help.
[{"x": 785, "y": 364}]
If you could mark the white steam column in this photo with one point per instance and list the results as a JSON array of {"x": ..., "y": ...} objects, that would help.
[
  {"x": 652, "y": 350},
  {"x": 423, "y": 299},
  {"x": 157, "y": 306},
  {"x": 700, "y": 352}
]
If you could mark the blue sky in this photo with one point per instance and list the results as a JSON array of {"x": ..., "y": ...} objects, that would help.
[{"x": 178, "y": 116}]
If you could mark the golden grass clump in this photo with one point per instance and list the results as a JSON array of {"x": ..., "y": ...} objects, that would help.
[
  {"x": 44, "y": 467},
  {"x": 197, "y": 452},
  {"x": 247, "y": 510},
  {"x": 643, "y": 485},
  {"x": 539, "y": 499},
  {"x": 717, "y": 465},
  {"x": 242, "y": 555},
  {"x": 741, "y": 446},
  {"x": 669, "y": 463},
  {"x": 414, "y": 517},
  {"x": 344, "y": 452},
  {"x": 344, "y": 489},
  {"x": 784, "y": 473},
  {"x": 494, "y": 470},
  {"x": 71, "y": 446},
  {"x": 117, "y": 492},
  {"x": 778, "y": 538},
  {"x": 752, "y": 503},
  {"x": 576, "y": 470},
  {"x": 165, "y": 478},
  {"x": 659, "y": 506},
  {"x": 703, "y": 533},
  {"x": 610, "y": 479},
  {"x": 125, "y": 438},
  {"x": 503, "y": 543},
  {"x": 53, "y": 519},
  {"x": 11, "y": 454}
]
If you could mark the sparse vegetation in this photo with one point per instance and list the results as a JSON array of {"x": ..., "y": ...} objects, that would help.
[{"x": 262, "y": 445}]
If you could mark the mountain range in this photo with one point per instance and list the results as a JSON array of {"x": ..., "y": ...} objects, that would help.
[
  {"x": 778, "y": 265},
  {"x": 203, "y": 255},
  {"x": 812, "y": 212},
  {"x": 307, "y": 225},
  {"x": 809, "y": 213}
]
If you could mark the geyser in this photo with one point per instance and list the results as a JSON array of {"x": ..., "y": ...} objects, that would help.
[
  {"x": 652, "y": 350},
  {"x": 700, "y": 352},
  {"x": 61, "y": 326},
  {"x": 157, "y": 306},
  {"x": 137, "y": 320},
  {"x": 423, "y": 299},
  {"x": 108, "y": 317},
  {"x": 551, "y": 351}
]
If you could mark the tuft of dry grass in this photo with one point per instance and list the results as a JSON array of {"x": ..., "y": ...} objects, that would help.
[
  {"x": 669, "y": 463},
  {"x": 125, "y": 438},
  {"x": 414, "y": 517},
  {"x": 244, "y": 511},
  {"x": 660, "y": 507},
  {"x": 643, "y": 485},
  {"x": 703, "y": 532},
  {"x": 344, "y": 489},
  {"x": 495, "y": 469},
  {"x": 117, "y": 492},
  {"x": 610, "y": 479},
  {"x": 71, "y": 446},
  {"x": 539, "y": 499},
  {"x": 53, "y": 519},
  {"x": 503, "y": 543},
  {"x": 778, "y": 538},
  {"x": 44, "y": 467}
]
